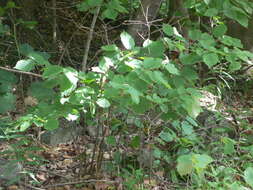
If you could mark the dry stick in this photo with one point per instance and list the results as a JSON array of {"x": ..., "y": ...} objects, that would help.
[
  {"x": 21, "y": 72},
  {"x": 85, "y": 56},
  {"x": 77, "y": 182}
]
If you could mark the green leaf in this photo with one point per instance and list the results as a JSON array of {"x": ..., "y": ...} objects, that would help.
[
  {"x": 220, "y": 30},
  {"x": 135, "y": 142},
  {"x": 25, "y": 65},
  {"x": 229, "y": 145},
  {"x": 38, "y": 58},
  {"x": 152, "y": 63},
  {"x": 235, "y": 13},
  {"x": 207, "y": 41},
  {"x": 207, "y": 2},
  {"x": 211, "y": 12},
  {"x": 127, "y": 40},
  {"x": 189, "y": 59},
  {"x": 191, "y": 105},
  {"x": 25, "y": 49},
  {"x": 116, "y": 5},
  {"x": 187, "y": 129},
  {"x": 159, "y": 77},
  {"x": 229, "y": 41},
  {"x": 103, "y": 103},
  {"x": 40, "y": 91},
  {"x": 168, "y": 29},
  {"x": 83, "y": 6},
  {"x": 167, "y": 135},
  {"x": 110, "y": 14},
  {"x": 195, "y": 34},
  {"x": 184, "y": 164},
  {"x": 24, "y": 125},
  {"x": 201, "y": 161},
  {"x": 7, "y": 78},
  {"x": 248, "y": 176},
  {"x": 135, "y": 95},
  {"x": 94, "y": 3},
  {"x": 7, "y": 102},
  {"x": 51, "y": 124},
  {"x": 171, "y": 68},
  {"x": 10, "y": 5},
  {"x": 210, "y": 59},
  {"x": 153, "y": 49},
  {"x": 112, "y": 47},
  {"x": 52, "y": 71},
  {"x": 111, "y": 140}
]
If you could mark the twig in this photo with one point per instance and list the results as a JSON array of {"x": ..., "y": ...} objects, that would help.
[
  {"x": 54, "y": 22},
  {"x": 21, "y": 72},
  {"x": 31, "y": 187},
  {"x": 85, "y": 56},
  {"x": 76, "y": 182}
]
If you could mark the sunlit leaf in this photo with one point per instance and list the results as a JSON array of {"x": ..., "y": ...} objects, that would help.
[{"x": 127, "y": 40}]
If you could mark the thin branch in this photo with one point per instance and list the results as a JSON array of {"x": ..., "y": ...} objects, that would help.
[
  {"x": 54, "y": 22},
  {"x": 86, "y": 53},
  {"x": 21, "y": 72},
  {"x": 77, "y": 182}
]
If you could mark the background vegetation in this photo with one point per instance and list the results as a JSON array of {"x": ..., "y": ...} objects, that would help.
[{"x": 159, "y": 93}]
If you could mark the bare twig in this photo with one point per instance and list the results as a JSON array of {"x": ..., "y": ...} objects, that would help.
[
  {"x": 77, "y": 182},
  {"x": 54, "y": 22},
  {"x": 21, "y": 72},
  {"x": 87, "y": 48}
]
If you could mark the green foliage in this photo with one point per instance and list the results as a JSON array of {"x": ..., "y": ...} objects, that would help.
[
  {"x": 110, "y": 9},
  {"x": 144, "y": 93}
]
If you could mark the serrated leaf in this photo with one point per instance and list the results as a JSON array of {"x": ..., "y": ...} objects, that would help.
[
  {"x": 168, "y": 29},
  {"x": 248, "y": 176},
  {"x": 152, "y": 63},
  {"x": 189, "y": 59},
  {"x": 167, "y": 136},
  {"x": 51, "y": 124},
  {"x": 229, "y": 41},
  {"x": 51, "y": 71},
  {"x": 210, "y": 59},
  {"x": 207, "y": 41},
  {"x": 135, "y": 95},
  {"x": 25, "y": 65},
  {"x": 195, "y": 34},
  {"x": 171, "y": 68},
  {"x": 219, "y": 30},
  {"x": 201, "y": 161},
  {"x": 38, "y": 58},
  {"x": 103, "y": 103},
  {"x": 184, "y": 164},
  {"x": 127, "y": 40},
  {"x": 110, "y": 14}
]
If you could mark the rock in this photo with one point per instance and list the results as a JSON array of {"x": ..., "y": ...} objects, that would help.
[
  {"x": 61, "y": 135},
  {"x": 10, "y": 171}
]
